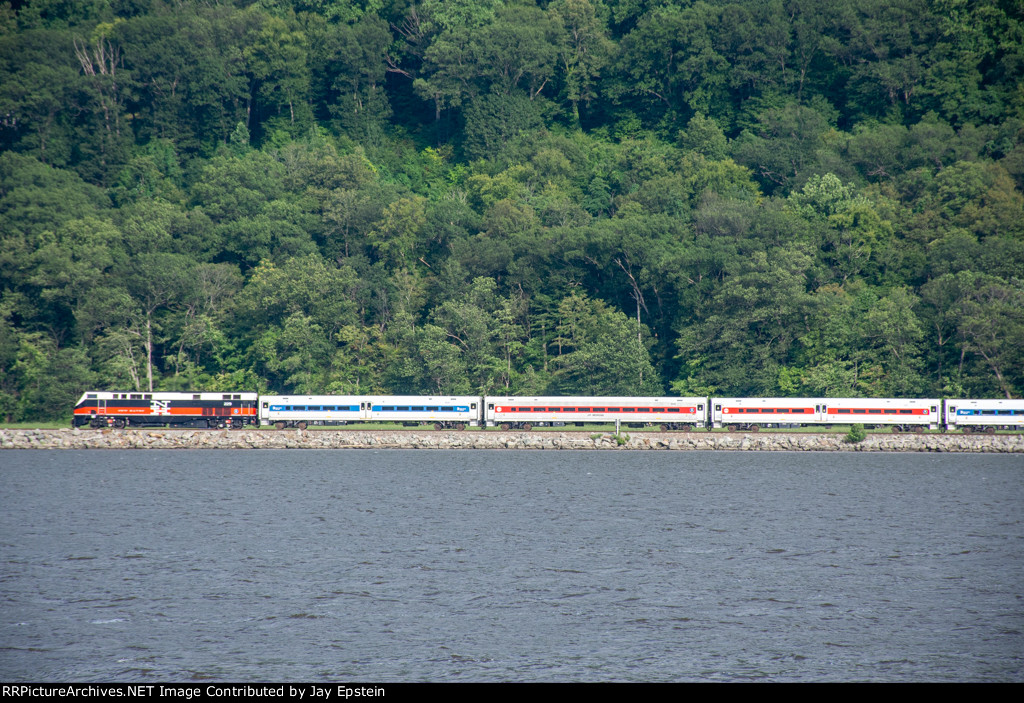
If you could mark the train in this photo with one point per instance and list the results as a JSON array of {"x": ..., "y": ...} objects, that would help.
[{"x": 236, "y": 410}]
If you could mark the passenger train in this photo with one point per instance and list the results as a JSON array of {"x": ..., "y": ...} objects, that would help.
[{"x": 236, "y": 410}]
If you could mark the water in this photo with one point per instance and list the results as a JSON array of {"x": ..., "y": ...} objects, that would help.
[{"x": 524, "y": 566}]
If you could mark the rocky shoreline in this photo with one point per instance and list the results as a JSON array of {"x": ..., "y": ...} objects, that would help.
[{"x": 362, "y": 439}]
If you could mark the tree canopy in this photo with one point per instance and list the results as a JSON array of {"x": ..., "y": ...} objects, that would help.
[{"x": 756, "y": 197}]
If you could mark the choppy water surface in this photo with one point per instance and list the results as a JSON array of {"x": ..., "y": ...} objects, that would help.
[{"x": 524, "y": 566}]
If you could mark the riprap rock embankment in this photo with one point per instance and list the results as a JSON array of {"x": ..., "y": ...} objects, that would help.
[{"x": 363, "y": 439}]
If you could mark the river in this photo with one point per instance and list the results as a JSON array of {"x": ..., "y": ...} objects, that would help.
[{"x": 469, "y": 565}]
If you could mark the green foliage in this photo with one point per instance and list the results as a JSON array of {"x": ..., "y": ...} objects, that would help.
[
  {"x": 856, "y": 435},
  {"x": 601, "y": 351},
  {"x": 493, "y": 119},
  {"x": 576, "y": 196}
]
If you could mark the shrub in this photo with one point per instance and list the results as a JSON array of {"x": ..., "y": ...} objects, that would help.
[{"x": 856, "y": 434}]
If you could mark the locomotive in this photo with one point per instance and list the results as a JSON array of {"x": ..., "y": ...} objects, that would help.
[
  {"x": 236, "y": 410},
  {"x": 135, "y": 409}
]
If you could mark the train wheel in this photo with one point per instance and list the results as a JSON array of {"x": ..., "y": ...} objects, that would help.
[
  {"x": 990, "y": 430},
  {"x": 119, "y": 423},
  {"x": 665, "y": 428},
  {"x": 755, "y": 428},
  {"x": 460, "y": 426},
  {"x": 279, "y": 425},
  {"x": 438, "y": 426},
  {"x": 687, "y": 428},
  {"x": 919, "y": 429},
  {"x": 966, "y": 430},
  {"x": 527, "y": 427},
  {"x": 301, "y": 424},
  {"x": 896, "y": 429},
  {"x": 505, "y": 427},
  {"x": 733, "y": 428}
]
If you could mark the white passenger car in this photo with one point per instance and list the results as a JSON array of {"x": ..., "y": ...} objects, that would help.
[
  {"x": 902, "y": 414},
  {"x": 303, "y": 410},
  {"x": 754, "y": 413},
  {"x": 977, "y": 415},
  {"x": 449, "y": 411},
  {"x": 525, "y": 412}
]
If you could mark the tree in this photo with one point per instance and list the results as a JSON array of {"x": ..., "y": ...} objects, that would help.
[
  {"x": 294, "y": 354},
  {"x": 350, "y": 62},
  {"x": 494, "y": 119},
  {"x": 894, "y": 332},
  {"x": 52, "y": 378},
  {"x": 754, "y": 320},
  {"x": 669, "y": 64},
  {"x": 990, "y": 316},
  {"x": 784, "y": 147},
  {"x": 277, "y": 59},
  {"x": 397, "y": 235},
  {"x": 585, "y": 49},
  {"x": 851, "y": 228},
  {"x": 155, "y": 281},
  {"x": 601, "y": 351},
  {"x": 102, "y": 137},
  {"x": 34, "y": 89}
]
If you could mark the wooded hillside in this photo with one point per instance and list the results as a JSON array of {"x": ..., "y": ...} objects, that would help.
[{"x": 763, "y": 197}]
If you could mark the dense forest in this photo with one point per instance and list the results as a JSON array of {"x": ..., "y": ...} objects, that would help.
[{"x": 748, "y": 197}]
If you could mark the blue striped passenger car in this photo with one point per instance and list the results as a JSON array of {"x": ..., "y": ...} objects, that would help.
[
  {"x": 975, "y": 415},
  {"x": 443, "y": 412}
]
